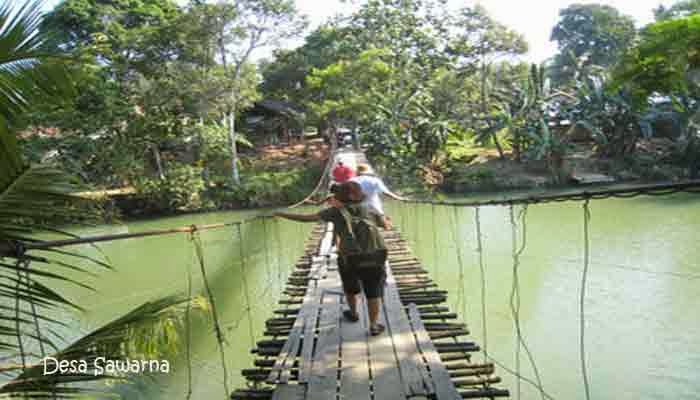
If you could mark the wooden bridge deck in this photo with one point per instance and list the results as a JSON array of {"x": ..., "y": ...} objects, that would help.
[{"x": 315, "y": 354}]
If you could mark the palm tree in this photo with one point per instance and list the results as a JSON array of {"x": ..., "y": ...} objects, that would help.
[{"x": 43, "y": 198}]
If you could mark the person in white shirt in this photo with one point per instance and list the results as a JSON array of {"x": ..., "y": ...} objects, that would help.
[{"x": 373, "y": 187}]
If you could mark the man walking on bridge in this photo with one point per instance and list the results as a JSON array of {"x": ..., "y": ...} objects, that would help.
[
  {"x": 342, "y": 173},
  {"x": 361, "y": 251},
  {"x": 372, "y": 187}
]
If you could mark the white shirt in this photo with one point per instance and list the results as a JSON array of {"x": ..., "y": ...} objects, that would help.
[{"x": 372, "y": 187}]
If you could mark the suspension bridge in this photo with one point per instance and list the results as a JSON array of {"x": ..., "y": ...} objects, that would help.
[
  {"x": 311, "y": 352},
  {"x": 314, "y": 353}
]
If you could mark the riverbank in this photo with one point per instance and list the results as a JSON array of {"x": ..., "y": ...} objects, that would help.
[
  {"x": 271, "y": 176},
  {"x": 282, "y": 174},
  {"x": 654, "y": 160}
]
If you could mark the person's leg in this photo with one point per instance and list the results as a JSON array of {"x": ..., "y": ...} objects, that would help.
[
  {"x": 351, "y": 287},
  {"x": 373, "y": 284},
  {"x": 374, "y": 306},
  {"x": 387, "y": 222},
  {"x": 351, "y": 298}
]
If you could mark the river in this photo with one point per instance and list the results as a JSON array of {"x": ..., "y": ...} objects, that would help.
[{"x": 642, "y": 330}]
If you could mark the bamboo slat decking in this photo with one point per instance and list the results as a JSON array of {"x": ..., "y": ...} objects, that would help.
[{"x": 313, "y": 353}]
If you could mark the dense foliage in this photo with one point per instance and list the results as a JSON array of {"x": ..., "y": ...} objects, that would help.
[
  {"x": 164, "y": 87},
  {"x": 159, "y": 86},
  {"x": 43, "y": 198}
]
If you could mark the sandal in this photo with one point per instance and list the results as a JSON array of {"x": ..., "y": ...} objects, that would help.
[
  {"x": 350, "y": 316},
  {"x": 376, "y": 329}
]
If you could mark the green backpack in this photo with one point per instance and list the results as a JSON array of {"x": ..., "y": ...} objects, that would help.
[{"x": 365, "y": 247}]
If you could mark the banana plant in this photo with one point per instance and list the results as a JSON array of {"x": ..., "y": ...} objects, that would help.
[{"x": 549, "y": 146}]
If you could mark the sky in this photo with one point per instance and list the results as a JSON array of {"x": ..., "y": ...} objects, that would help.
[{"x": 533, "y": 19}]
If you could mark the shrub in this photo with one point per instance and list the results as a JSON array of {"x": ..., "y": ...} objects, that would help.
[
  {"x": 180, "y": 190},
  {"x": 266, "y": 188}
]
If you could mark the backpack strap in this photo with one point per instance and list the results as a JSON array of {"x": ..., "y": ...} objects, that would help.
[{"x": 348, "y": 220}]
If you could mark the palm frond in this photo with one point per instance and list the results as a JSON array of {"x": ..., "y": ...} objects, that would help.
[
  {"x": 42, "y": 194},
  {"x": 149, "y": 332},
  {"x": 29, "y": 71}
]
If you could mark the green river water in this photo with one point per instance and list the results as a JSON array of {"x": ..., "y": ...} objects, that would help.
[{"x": 641, "y": 309}]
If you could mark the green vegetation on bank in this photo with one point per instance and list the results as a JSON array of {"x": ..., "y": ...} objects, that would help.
[
  {"x": 165, "y": 94},
  {"x": 440, "y": 99}
]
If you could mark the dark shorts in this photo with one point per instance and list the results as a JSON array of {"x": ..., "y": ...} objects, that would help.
[{"x": 355, "y": 280}]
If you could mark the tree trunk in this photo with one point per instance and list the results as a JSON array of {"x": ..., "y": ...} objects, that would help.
[
  {"x": 516, "y": 145},
  {"x": 498, "y": 147},
  {"x": 234, "y": 150},
  {"x": 159, "y": 162},
  {"x": 484, "y": 71},
  {"x": 235, "y": 177},
  {"x": 692, "y": 156}
]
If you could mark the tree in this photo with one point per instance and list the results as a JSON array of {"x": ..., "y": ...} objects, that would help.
[
  {"x": 244, "y": 27},
  {"x": 589, "y": 35},
  {"x": 480, "y": 42},
  {"x": 285, "y": 76},
  {"x": 119, "y": 47},
  {"x": 351, "y": 88},
  {"x": 680, "y": 9},
  {"x": 666, "y": 62},
  {"x": 129, "y": 36},
  {"x": 43, "y": 198}
]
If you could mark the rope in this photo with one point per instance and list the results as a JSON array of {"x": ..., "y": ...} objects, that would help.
[
  {"x": 523, "y": 378},
  {"x": 461, "y": 297},
  {"x": 9, "y": 248},
  {"x": 266, "y": 250},
  {"x": 584, "y": 276},
  {"x": 196, "y": 241},
  {"x": 680, "y": 275},
  {"x": 324, "y": 175},
  {"x": 246, "y": 292},
  {"x": 278, "y": 240},
  {"x": 620, "y": 191},
  {"x": 515, "y": 293},
  {"x": 188, "y": 321},
  {"x": 515, "y": 296},
  {"x": 482, "y": 269},
  {"x": 435, "y": 251}
]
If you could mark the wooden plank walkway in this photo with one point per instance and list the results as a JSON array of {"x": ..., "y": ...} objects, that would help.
[{"x": 313, "y": 353}]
